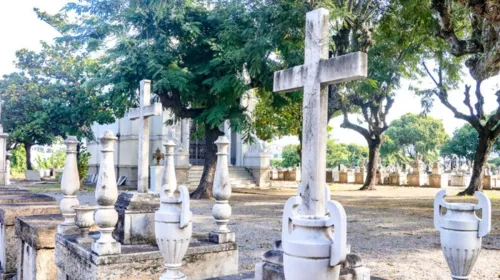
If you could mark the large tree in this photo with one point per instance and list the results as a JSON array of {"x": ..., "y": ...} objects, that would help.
[
  {"x": 51, "y": 96},
  {"x": 471, "y": 32},
  {"x": 179, "y": 47},
  {"x": 414, "y": 135}
]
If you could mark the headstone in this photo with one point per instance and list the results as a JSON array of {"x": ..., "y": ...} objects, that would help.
[
  {"x": 136, "y": 210},
  {"x": 4, "y": 167},
  {"x": 142, "y": 114},
  {"x": 418, "y": 177},
  {"x": 437, "y": 179},
  {"x": 313, "y": 254}
]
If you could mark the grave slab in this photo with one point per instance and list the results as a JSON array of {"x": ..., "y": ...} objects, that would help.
[
  {"x": 25, "y": 198},
  {"x": 8, "y": 214},
  {"x": 12, "y": 192},
  {"x": 136, "y": 218},
  {"x": 203, "y": 260},
  {"x": 36, "y": 246}
]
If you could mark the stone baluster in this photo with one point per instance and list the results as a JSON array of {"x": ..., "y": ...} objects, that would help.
[
  {"x": 106, "y": 195},
  {"x": 222, "y": 192},
  {"x": 173, "y": 226},
  {"x": 70, "y": 184}
]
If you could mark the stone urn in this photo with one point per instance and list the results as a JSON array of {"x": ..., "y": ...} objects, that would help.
[
  {"x": 312, "y": 248},
  {"x": 84, "y": 220},
  {"x": 173, "y": 226},
  {"x": 462, "y": 231}
]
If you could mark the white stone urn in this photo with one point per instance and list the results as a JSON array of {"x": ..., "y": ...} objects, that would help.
[
  {"x": 173, "y": 226},
  {"x": 312, "y": 248},
  {"x": 84, "y": 220},
  {"x": 462, "y": 231}
]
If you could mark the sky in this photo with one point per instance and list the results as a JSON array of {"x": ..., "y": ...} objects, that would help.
[{"x": 22, "y": 29}]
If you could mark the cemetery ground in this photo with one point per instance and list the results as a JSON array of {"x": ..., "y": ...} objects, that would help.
[{"x": 390, "y": 228}]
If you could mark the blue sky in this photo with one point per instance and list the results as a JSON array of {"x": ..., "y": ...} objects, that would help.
[{"x": 22, "y": 29}]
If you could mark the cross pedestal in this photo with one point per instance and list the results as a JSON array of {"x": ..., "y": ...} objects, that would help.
[{"x": 309, "y": 251}]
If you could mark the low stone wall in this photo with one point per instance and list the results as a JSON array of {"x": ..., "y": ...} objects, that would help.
[{"x": 203, "y": 260}]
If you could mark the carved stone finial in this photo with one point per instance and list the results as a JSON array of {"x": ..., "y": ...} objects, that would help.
[{"x": 70, "y": 184}]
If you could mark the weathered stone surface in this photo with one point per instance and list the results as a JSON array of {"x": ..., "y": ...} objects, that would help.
[
  {"x": 136, "y": 218},
  {"x": 9, "y": 191},
  {"x": 23, "y": 198},
  {"x": 271, "y": 267},
  {"x": 8, "y": 214},
  {"x": 35, "y": 248},
  {"x": 203, "y": 260},
  {"x": 38, "y": 231}
]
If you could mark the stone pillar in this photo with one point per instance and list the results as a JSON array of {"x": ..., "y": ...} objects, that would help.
[
  {"x": 222, "y": 192},
  {"x": 70, "y": 184},
  {"x": 3, "y": 157},
  {"x": 185, "y": 129},
  {"x": 7, "y": 169},
  {"x": 106, "y": 195},
  {"x": 227, "y": 132}
]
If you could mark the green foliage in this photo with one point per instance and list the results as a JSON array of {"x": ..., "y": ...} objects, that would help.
[
  {"x": 290, "y": 156},
  {"x": 55, "y": 161},
  {"x": 179, "y": 46},
  {"x": 336, "y": 154},
  {"x": 495, "y": 161},
  {"x": 356, "y": 154},
  {"x": 18, "y": 159},
  {"x": 277, "y": 163},
  {"x": 83, "y": 165},
  {"x": 411, "y": 135},
  {"x": 463, "y": 143}
]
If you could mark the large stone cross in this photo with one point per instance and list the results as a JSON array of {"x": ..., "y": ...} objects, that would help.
[
  {"x": 313, "y": 77},
  {"x": 145, "y": 110}
]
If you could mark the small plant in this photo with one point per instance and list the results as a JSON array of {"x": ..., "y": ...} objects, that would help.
[
  {"x": 18, "y": 159},
  {"x": 83, "y": 165}
]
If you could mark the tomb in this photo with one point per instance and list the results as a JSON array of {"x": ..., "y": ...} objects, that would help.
[
  {"x": 35, "y": 246},
  {"x": 438, "y": 179},
  {"x": 108, "y": 257}
]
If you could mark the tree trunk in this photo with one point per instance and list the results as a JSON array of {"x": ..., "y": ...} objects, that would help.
[
  {"x": 371, "y": 175},
  {"x": 27, "y": 147},
  {"x": 480, "y": 159},
  {"x": 204, "y": 190}
]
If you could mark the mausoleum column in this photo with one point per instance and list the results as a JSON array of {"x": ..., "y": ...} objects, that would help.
[{"x": 70, "y": 184}]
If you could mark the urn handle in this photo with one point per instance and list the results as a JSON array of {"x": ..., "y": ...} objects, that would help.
[
  {"x": 439, "y": 203},
  {"x": 484, "y": 204},
  {"x": 289, "y": 211},
  {"x": 186, "y": 214},
  {"x": 339, "y": 222}
]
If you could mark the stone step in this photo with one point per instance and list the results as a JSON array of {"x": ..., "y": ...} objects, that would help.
[{"x": 247, "y": 275}]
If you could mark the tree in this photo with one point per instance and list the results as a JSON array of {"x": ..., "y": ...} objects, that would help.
[
  {"x": 336, "y": 154},
  {"x": 180, "y": 46},
  {"x": 28, "y": 122},
  {"x": 357, "y": 154},
  {"x": 54, "y": 86},
  {"x": 413, "y": 135},
  {"x": 470, "y": 30},
  {"x": 290, "y": 156},
  {"x": 464, "y": 143}
]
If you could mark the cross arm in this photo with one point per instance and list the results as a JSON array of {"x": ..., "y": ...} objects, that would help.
[
  {"x": 154, "y": 109},
  {"x": 345, "y": 68}
]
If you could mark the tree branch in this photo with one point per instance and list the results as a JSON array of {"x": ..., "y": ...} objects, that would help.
[
  {"x": 430, "y": 75},
  {"x": 361, "y": 130},
  {"x": 480, "y": 101},
  {"x": 173, "y": 102},
  {"x": 467, "y": 100},
  {"x": 443, "y": 12}
]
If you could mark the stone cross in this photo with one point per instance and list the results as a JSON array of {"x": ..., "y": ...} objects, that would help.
[
  {"x": 145, "y": 110},
  {"x": 313, "y": 77}
]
